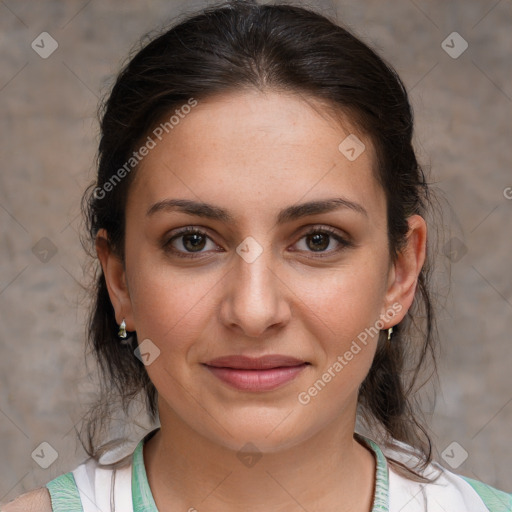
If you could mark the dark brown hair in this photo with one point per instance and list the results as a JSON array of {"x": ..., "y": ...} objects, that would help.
[{"x": 229, "y": 47}]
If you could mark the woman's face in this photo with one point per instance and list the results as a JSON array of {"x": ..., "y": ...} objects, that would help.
[{"x": 253, "y": 282}]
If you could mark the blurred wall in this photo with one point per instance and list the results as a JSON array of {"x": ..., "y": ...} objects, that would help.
[{"x": 462, "y": 99}]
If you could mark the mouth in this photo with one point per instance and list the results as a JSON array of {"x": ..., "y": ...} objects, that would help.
[{"x": 255, "y": 374}]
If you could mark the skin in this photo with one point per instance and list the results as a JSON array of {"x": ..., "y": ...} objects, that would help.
[{"x": 254, "y": 154}]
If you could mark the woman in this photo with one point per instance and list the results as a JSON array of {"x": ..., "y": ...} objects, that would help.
[{"x": 259, "y": 217}]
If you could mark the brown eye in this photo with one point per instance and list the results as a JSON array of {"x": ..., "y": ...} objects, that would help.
[
  {"x": 188, "y": 242},
  {"x": 318, "y": 241},
  {"x": 193, "y": 242}
]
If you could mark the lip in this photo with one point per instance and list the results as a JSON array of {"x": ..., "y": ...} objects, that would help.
[
  {"x": 256, "y": 373},
  {"x": 240, "y": 362}
]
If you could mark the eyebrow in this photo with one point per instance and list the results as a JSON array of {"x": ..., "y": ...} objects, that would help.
[{"x": 288, "y": 214}]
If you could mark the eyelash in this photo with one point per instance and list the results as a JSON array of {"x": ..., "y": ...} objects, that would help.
[{"x": 344, "y": 243}]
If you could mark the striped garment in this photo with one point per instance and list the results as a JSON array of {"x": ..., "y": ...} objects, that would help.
[{"x": 92, "y": 488}]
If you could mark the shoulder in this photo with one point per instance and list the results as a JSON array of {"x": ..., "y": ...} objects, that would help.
[
  {"x": 456, "y": 491},
  {"x": 449, "y": 490},
  {"x": 37, "y": 500},
  {"x": 494, "y": 499}
]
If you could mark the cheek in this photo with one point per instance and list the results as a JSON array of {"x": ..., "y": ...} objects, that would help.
[
  {"x": 343, "y": 311},
  {"x": 347, "y": 299},
  {"x": 169, "y": 305}
]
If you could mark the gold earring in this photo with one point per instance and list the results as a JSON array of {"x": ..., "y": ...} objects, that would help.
[
  {"x": 390, "y": 332},
  {"x": 122, "y": 330}
]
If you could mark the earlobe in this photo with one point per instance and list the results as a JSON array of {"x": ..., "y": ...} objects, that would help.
[
  {"x": 115, "y": 277},
  {"x": 403, "y": 276}
]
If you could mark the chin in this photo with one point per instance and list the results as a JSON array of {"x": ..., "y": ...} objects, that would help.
[{"x": 269, "y": 432}]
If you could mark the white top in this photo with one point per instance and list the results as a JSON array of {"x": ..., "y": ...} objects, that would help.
[{"x": 92, "y": 488}]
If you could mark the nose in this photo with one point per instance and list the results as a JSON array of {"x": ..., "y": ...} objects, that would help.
[{"x": 255, "y": 298}]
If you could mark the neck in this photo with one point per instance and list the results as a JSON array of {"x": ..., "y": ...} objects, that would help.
[{"x": 328, "y": 471}]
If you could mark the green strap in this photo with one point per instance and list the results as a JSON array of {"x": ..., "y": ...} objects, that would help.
[
  {"x": 381, "y": 500},
  {"x": 494, "y": 500},
  {"x": 141, "y": 492},
  {"x": 64, "y": 494},
  {"x": 143, "y": 499}
]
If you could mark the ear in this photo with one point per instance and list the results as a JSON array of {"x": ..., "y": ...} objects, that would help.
[
  {"x": 113, "y": 269},
  {"x": 404, "y": 272}
]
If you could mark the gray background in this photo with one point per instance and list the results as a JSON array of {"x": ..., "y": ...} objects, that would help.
[{"x": 49, "y": 137}]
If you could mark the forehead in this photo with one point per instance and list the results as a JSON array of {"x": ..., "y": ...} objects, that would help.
[{"x": 248, "y": 147}]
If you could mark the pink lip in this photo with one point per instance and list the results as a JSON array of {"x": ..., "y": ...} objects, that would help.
[{"x": 256, "y": 374}]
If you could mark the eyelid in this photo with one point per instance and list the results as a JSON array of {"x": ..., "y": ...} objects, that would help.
[
  {"x": 313, "y": 228},
  {"x": 180, "y": 232},
  {"x": 343, "y": 239}
]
